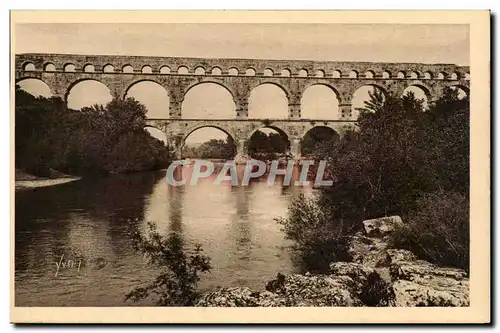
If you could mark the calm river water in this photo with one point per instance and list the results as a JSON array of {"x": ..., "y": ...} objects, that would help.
[{"x": 86, "y": 225}]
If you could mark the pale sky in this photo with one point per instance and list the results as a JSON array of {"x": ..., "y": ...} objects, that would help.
[{"x": 329, "y": 42}]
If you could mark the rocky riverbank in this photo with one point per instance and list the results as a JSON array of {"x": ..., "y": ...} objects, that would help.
[
  {"x": 25, "y": 180},
  {"x": 377, "y": 276}
]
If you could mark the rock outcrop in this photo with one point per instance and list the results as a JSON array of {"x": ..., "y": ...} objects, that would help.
[{"x": 377, "y": 276}]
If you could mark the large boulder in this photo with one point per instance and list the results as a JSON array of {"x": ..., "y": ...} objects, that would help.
[
  {"x": 318, "y": 290},
  {"x": 382, "y": 226},
  {"x": 420, "y": 283},
  {"x": 294, "y": 290},
  {"x": 240, "y": 297},
  {"x": 371, "y": 287},
  {"x": 409, "y": 293}
]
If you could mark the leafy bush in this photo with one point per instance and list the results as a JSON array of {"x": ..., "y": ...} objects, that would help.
[
  {"x": 437, "y": 230},
  {"x": 319, "y": 239},
  {"x": 180, "y": 272}
]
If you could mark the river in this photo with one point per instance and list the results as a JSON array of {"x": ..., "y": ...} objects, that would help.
[{"x": 73, "y": 244}]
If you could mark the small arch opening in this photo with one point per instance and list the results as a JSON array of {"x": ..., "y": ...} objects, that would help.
[
  {"x": 69, "y": 68},
  {"x": 233, "y": 71},
  {"x": 199, "y": 71},
  {"x": 250, "y": 72},
  {"x": 50, "y": 67},
  {"x": 369, "y": 74},
  {"x": 303, "y": 73},
  {"x": 147, "y": 70},
  {"x": 337, "y": 74},
  {"x": 127, "y": 69},
  {"x": 414, "y": 75},
  {"x": 165, "y": 70},
  {"x": 108, "y": 69},
  {"x": 216, "y": 71},
  {"x": 268, "y": 72},
  {"x": 353, "y": 74},
  {"x": 89, "y": 68},
  {"x": 319, "y": 73},
  {"x": 286, "y": 72},
  {"x": 182, "y": 70},
  {"x": 29, "y": 67}
]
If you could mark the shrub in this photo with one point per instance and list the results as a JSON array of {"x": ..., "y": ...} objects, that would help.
[
  {"x": 438, "y": 230},
  {"x": 176, "y": 285},
  {"x": 319, "y": 239}
]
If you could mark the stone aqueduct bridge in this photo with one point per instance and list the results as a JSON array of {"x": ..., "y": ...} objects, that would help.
[{"x": 239, "y": 76}]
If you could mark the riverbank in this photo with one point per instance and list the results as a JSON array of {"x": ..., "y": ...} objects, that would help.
[
  {"x": 25, "y": 180},
  {"x": 378, "y": 276}
]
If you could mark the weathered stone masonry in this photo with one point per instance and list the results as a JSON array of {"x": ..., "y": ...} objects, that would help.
[{"x": 239, "y": 76}]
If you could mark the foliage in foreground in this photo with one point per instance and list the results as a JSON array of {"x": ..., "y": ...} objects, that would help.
[
  {"x": 176, "y": 284},
  {"x": 319, "y": 240},
  {"x": 398, "y": 155},
  {"x": 438, "y": 230},
  {"x": 98, "y": 139}
]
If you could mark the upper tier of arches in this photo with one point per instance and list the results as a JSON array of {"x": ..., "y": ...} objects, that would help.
[{"x": 239, "y": 67}]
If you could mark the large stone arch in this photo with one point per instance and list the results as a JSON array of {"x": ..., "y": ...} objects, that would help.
[
  {"x": 465, "y": 88},
  {"x": 429, "y": 91},
  {"x": 288, "y": 101},
  {"x": 258, "y": 83},
  {"x": 24, "y": 78},
  {"x": 199, "y": 125},
  {"x": 282, "y": 130},
  {"x": 128, "y": 86},
  {"x": 202, "y": 80},
  {"x": 321, "y": 83},
  {"x": 309, "y": 134},
  {"x": 370, "y": 83},
  {"x": 285, "y": 133},
  {"x": 80, "y": 80},
  {"x": 313, "y": 124},
  {"x": 326, "y": 83},
  {"x": 166, "y": 138}
]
